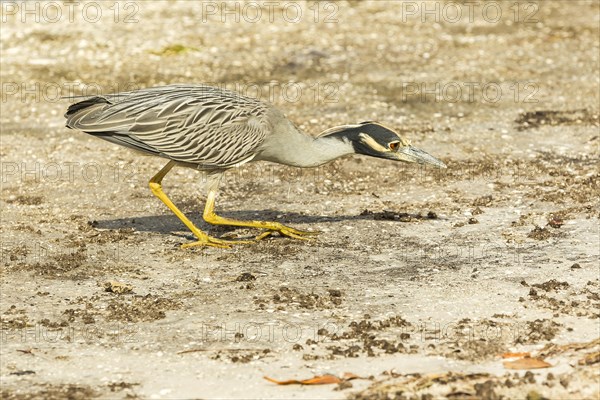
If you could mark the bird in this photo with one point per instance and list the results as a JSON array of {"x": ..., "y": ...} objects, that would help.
[{"x": 213, "y": 129}]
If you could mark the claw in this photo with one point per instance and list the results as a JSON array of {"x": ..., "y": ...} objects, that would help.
[{"x": 205, "y": 240}]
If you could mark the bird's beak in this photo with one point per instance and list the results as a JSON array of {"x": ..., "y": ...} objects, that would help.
[{"x": 414, "y": 155}]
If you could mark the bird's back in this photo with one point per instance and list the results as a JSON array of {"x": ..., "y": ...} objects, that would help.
[{"x": 201, "y": 125}]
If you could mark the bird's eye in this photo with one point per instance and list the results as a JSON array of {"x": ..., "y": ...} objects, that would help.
[{"x": 394, "y": 146}]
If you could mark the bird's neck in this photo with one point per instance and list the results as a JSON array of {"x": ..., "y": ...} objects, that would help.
[{"x": 302, "y": 150}]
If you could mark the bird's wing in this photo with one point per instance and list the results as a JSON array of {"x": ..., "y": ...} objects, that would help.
[{"x": 201, "y": 125}]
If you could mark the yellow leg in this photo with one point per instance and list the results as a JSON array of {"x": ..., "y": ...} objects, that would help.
[
  {"x": 271, "y": 227},
  {"x": 203, "y": 238}
]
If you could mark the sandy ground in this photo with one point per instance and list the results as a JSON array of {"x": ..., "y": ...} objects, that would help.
[{"x": 420, "y": 280}]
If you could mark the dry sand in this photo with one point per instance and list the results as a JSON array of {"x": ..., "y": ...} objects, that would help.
[{"x": 420, "y": 280}]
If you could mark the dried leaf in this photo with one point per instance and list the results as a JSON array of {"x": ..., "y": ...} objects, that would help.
[
  {"x": 316, "y": 380},
  {"x": 526, "y": 363}
]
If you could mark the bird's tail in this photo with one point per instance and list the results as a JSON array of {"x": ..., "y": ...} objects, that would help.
[{"x": 82, "y": 105}]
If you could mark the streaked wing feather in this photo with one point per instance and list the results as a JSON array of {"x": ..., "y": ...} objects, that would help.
[
  {"x": 193, "y": 124},
  {"x": 128, "y": 141}
]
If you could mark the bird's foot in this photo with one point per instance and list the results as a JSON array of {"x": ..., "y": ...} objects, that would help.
[
  {"x": 287, "y": 231},
  {"x": 205, "y": 240}
]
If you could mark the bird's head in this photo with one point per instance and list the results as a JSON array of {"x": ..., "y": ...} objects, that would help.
[{"x": 373, "y": 139}]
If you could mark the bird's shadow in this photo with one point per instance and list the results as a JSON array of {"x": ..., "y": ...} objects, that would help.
[{"x": 169, "y": 223}]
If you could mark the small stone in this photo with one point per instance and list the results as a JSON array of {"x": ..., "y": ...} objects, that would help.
[
  {"x": 529, "y": 377},
  {"x": 533, "y": 395},
  {"x": 117, "y": 287},
  {"x": 245, "y": 277},
  {"x": 556, "y": 222}
]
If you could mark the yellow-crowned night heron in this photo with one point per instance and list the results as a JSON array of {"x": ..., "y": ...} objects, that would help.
[{"x": 213, "y": 129}]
